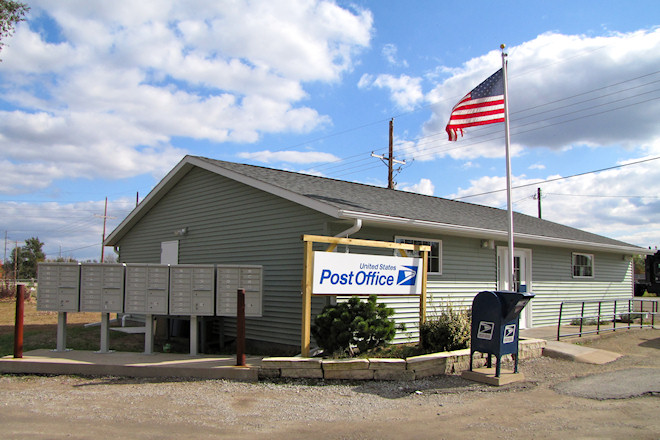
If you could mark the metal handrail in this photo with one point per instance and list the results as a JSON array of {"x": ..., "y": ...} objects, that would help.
[{"x": 602, "y": 317}]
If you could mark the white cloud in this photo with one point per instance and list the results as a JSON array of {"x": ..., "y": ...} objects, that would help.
[
  {"x": 66, "y": 229},
  {"x": 564, "y": 90},
  {"x": 122, "y": 79},
  {"x": 389, "y": 51},
  {"x": 612, "y": 203},
  {"x": 537, "y": 166},
  {"x": 424, "y": 186},
  {"x": 289, "y": 156},
  {"x": 405, "y": 91}
]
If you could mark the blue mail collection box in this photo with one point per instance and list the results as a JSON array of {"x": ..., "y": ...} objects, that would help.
[{"x": 495, "y": 319}]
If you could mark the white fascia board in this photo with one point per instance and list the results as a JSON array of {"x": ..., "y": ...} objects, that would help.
[
  {"x": 180, "y": 170},
  {"x": 489, "y": 234}
]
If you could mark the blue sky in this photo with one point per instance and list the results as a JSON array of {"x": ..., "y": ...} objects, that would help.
[{"x": 101, "y": 99}]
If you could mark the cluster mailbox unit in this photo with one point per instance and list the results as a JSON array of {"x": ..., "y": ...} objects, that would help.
[
  {"x": 101, "y": 287},
  {"x": 59, "y": 287},
  {"x": 192, "y": 290},
  {"x": 59, "y": 291},
  {"x": 232, "y": 278},
  {"x": 146, "y": 289}
]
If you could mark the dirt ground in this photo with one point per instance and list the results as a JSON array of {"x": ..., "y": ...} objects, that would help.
[{"x": 449, "y": 407}]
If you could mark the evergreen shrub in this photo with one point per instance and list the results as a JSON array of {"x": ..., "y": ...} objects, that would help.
[{"x": 354, "y": 323}]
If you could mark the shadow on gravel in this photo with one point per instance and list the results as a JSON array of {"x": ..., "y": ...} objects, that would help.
[
  {"x": 433, "y": 385},
  {"x": 117, "y": 380},
  {"x": 651, "y": 343}
]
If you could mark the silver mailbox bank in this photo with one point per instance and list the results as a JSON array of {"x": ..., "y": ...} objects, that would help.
[
  {"x": 230, "y": 279},
  {"x": 192, "y": 290},
  {"x": 102, "y": 287},
  {"x": 59, "y": 287},
  {"x": 147, "y": 288}
]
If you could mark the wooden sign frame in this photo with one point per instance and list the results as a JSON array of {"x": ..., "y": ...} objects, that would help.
[{"x": 332, "y": 242}]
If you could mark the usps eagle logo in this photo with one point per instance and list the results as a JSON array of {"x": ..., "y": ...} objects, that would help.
[{"x": 407, "y": 276}]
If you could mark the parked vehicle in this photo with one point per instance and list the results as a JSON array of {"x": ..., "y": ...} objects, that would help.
[{"x": 651, "y": 282}]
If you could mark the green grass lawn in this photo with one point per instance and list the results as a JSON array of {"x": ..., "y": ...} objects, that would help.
[{"x": 40, "y": 331}]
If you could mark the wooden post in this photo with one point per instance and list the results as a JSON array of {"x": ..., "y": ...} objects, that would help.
[
  {"x": 422, "y": 298},
  {"x": 240, "y": 327},
  {"x": 307, "y": 300},
  {"x": 308, "y": 268},
  {"x": 18, "y": 325}
]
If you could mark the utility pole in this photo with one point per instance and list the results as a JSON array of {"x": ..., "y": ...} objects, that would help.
[
  {"x": 537, "y": 196},
  {"x": 390, "y": 159},
  {"x": 105, "y": 218},
  {"x": 15, "y": 264}
]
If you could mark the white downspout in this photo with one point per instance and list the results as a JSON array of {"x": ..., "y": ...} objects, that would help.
[
  {"x": 352, "y": 230},
  {"x": 332, "y": 300}
]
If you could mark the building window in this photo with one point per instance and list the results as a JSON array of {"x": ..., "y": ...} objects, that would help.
[
  {"x": 435, "y": 256},
  {"x": 583, "y": 266}
]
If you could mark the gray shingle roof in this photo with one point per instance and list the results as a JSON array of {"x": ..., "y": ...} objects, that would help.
[{"x": 367, "y": 199}]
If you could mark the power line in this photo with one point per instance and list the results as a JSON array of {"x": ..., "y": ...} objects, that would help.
[
  {"x": 489, "y": 135},
  {"x": 602, "y": 196},
  {"x": 77, "y": 249},
  {"x": 561, "y": 178}
]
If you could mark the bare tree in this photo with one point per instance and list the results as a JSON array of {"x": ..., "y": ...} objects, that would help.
[{"x": 11, "y": 13}]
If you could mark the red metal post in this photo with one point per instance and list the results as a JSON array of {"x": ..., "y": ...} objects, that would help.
[
  {"x": 240, "y": 328},
  {"x": 18, "y": 325}
]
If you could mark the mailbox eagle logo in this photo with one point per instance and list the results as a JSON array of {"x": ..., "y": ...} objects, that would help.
[
  {"x": 407, "y": 276},
  {"x": 486, "y": 330}
]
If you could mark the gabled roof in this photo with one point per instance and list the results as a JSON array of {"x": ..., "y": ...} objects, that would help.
[{"x": 381, "y": 206}]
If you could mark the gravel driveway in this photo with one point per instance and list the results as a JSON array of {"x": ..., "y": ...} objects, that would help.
[{"x": 441, "y": 407}]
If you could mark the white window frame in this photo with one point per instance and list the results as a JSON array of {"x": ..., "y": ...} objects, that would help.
[
  {"x": 420, "y": 240},
  {"x": 573, "y": 265}
]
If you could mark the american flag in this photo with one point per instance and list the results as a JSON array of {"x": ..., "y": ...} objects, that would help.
[{"x": 483, "y": 105}]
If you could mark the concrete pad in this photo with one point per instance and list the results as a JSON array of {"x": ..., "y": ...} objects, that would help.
[
  {"x": 578, "y": 353},
  {"x": 131, "y": 364},
  {"x": 487, "y": 375},
  {"x": 129, "y": 330}
]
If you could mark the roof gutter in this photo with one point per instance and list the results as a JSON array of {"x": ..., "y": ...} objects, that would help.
[{"x": 467, "y": 231}]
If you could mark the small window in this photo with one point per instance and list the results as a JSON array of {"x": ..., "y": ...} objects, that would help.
[
  {"x": 583, "y": 266},
  {"x": 435, "y": 256}
]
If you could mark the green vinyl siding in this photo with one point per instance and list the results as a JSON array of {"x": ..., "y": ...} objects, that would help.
[
  {"x": 467, "y": 269},
  {"x": 232, "y": 223},
  {"x": 553, "y": 281}
]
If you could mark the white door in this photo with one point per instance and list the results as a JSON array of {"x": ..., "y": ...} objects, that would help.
[
  {"x": 169, "y": 252},
  {"x": 522, "y": 277}
]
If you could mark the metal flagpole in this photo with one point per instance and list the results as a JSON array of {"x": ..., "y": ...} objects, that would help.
[{"x": 508, "y": 169}]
